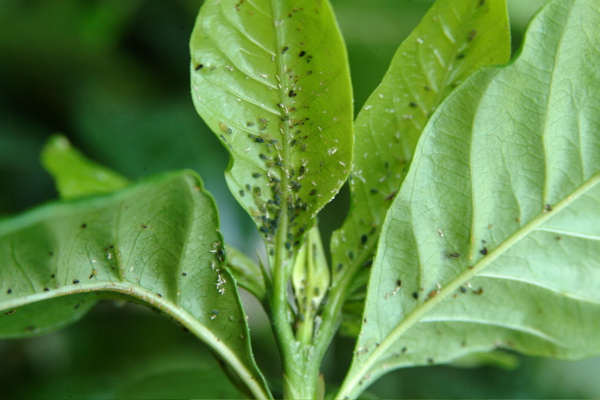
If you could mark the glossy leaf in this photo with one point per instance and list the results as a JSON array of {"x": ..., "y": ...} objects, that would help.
[
  {"x": 75, "y": 175},
  {"x": 271, "y": 80},
  {"x": 454, "y": 39},
  {"x": 156, "y": 242},
  {"x": 494, "y": 238}
]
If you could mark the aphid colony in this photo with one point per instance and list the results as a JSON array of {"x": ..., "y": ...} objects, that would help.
[{"x": 280, "y": 183}]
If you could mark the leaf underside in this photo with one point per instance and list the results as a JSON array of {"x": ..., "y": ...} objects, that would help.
[
  {"x": 494, "y": 238},
  {"x": 454, "y": 39},
  {"x": 271, "y": 79},
  {"x": 156, "y": 243}
]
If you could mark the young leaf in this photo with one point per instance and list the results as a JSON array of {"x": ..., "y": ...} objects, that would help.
[
  {"x": 75, "y": 175},
  {"x": 454, "y": 39},
  {"x": 271, "y": 80},
  {"x": 493, "y": 240},
  {"x": 247, "y": 273},
  {"x": 156, "y": 242}
]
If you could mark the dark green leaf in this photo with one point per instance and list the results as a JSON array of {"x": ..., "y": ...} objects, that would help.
[
  {"x": 199, "y": 383},
  {"x": 493, "y": 239},
  {"x": 156, "y": 242}
]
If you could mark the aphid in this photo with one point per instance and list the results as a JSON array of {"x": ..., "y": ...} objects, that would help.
[
  {"x": 214, "y": 314},
  {"x": 256, "y": 174},
  {"x": 478, "y": 291},
  {"x": 291, "y": 93},
  {"x": 143, "y": 226},
  {"x": 413, "y": 104},
  {"x": 183, "y": 274},
  {"x": 302, "y": 53},
  {"x": 547, "y": 208},
  {"x": 391, "y": 195},
  {"x": 463, "y": 289},
  {"x": 46, "y": 289},
  {"x": 363, "y": 239},
  {"x": 415, "y": 295},
  {"x": 198, "y": 67},
  {"x": 224, "y": 128},
  {"x": 50, "y": 253},
  {"x": 374, "y": 191},
  {"x": 75, "y": 281},
  {"x": 83, "y": 226},
  {"x": 9, "y": 291},
  {"x": 284, "y": 50},
  {"x": 484, "y": 251},
  {"x": 313, "y": 192},
  {"x": 460, "y": 56},
  {"x": 453, "y": 255},
  {"x": 242, "y": 193},
  {"x": 472, "y": 35}
]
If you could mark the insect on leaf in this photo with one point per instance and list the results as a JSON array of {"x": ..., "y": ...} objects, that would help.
[
  {"x": 156, "y": 242},
  {"x": 494, "y": 238},
  {"x": 271, "y": 79}
]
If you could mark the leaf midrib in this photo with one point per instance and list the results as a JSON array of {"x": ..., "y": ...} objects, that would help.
[
  {"x": 162, "y": 303},
  {"x": 420, "y": 311}
]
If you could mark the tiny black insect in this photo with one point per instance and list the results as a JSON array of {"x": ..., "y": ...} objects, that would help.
[
  {"x": 363, "y": 239},
  {"x": 302, "y": 53}
]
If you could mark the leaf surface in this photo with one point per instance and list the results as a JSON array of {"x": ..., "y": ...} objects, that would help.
[
  {"x": 156, "y": 243},
  {"x": 454, "y": 39},
  {"x": 271, "y": 80},
  {"x": 75, "y": 175},
  {"x": 494, "y": 238}
]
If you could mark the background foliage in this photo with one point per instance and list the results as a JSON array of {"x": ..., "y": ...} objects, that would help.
[{"x": 113, "y": 77}]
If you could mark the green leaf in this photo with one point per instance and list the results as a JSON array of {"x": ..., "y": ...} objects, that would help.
[
  {"x": 271, "y": 79},
  {"x": 156, "y": 242},
  {"x": 246, "y": 272},
  {"x": 493, "y": 240},
  {"x": 454, "y": 39},
  {"x": 197, "y": 383},
  {"x": 75, "y": 175}
]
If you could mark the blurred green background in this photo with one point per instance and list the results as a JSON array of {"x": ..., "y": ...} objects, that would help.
[{"x": 112, "y": 75}]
